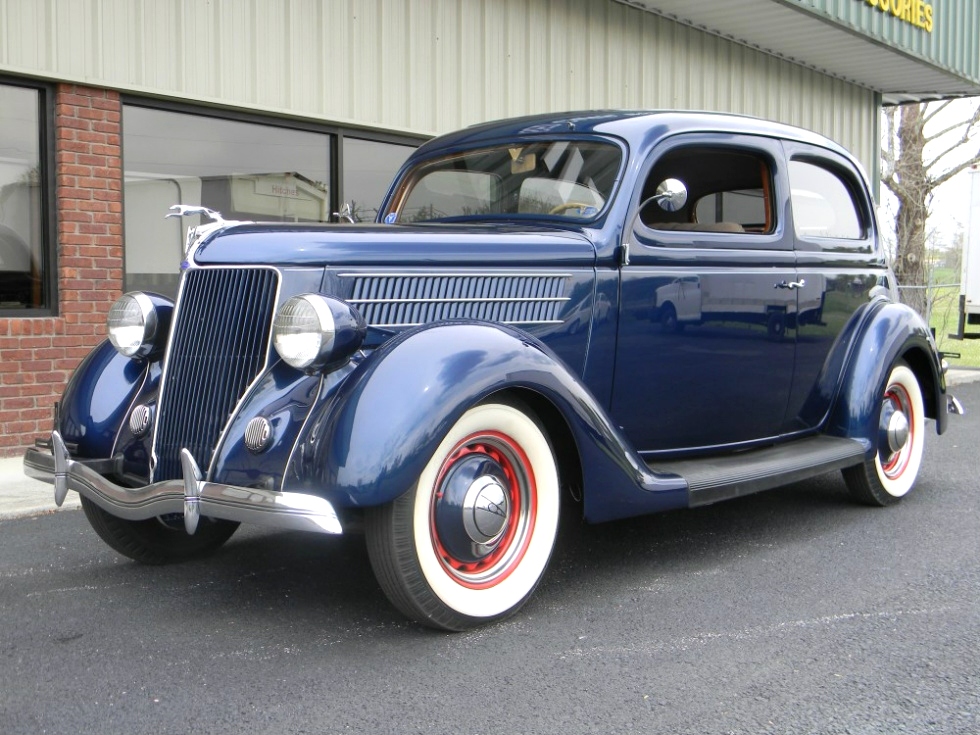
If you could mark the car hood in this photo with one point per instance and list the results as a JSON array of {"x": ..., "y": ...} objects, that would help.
[{"x": 398, "y": 245}]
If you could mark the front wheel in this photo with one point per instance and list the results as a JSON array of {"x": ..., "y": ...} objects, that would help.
[
  {"x": 160, "y": 540},
  {"x": 470, "y": 542},
  {"x": 901, "y": 438}
]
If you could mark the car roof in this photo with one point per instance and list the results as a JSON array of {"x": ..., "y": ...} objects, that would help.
[{"x": 639, "y": 128}]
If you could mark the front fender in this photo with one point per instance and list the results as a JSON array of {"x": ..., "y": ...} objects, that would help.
[
  {"x": 97, "y": 399},
  {"x": 371, "y": 441},
  {"x": 892, "y": 332}
]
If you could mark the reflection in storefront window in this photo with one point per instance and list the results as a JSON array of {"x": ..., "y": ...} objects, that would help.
[
  {"x": 21, "y": 198},
  {"x": 246, "y": 171},
  {"x": 369, "y": 167}
]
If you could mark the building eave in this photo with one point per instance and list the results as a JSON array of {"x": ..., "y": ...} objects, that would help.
[{"x": 789, "y": 30}]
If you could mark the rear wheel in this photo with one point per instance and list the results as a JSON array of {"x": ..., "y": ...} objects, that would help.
[
  {"x": 160, "y": 540},
  {"x": 470, "y": 542},
  {"x": 901, "y": 438}
]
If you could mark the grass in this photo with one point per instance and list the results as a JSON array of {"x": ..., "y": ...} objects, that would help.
[{"x": 945, "y": 320}]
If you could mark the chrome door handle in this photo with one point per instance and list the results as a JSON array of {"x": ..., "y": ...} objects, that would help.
[{"x": 791, "y": 285}]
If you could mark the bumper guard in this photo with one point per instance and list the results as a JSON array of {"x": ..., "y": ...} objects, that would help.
[{"x": 193, "y": 496}]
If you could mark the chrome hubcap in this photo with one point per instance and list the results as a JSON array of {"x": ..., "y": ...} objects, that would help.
[
  {"x": 898, "y": 431},
  {"x": 485, "y": 510}
]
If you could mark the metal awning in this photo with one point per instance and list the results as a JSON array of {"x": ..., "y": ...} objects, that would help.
[{"x": 811, "y": 40}]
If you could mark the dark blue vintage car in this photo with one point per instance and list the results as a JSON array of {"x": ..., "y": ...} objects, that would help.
[{"x": 624, "y": 312}]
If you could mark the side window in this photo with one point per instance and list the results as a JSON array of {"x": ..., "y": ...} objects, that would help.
[
  {"x": 728, "y": 190},
  {"x": 823, "y": 206}
]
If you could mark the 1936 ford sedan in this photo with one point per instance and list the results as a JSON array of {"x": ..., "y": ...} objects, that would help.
[{"x": 628, "y": 312}]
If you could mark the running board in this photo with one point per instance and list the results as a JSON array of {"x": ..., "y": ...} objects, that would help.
[{"x": 711, "y": 479}]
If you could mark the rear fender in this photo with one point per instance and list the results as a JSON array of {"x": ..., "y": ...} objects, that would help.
[{"x": 892, "y": 332}]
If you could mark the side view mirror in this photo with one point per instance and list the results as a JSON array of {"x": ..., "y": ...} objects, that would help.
[{"x": 671, "y": 195}]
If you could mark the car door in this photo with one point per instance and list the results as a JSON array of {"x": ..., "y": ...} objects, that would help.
[
  {"x": 840, "y": 264},
  {"x": 717, "y": 372}
]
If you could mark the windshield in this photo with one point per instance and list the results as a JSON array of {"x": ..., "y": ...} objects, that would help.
[{"x": 560, "y": 178}]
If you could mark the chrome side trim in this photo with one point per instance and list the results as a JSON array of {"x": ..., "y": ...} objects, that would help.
[
  {"x": 294, "y": 511},
  {"x": 456, "y": 274},
  {"x": 451, "y": 300}
]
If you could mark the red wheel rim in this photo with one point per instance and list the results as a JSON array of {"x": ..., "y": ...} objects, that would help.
[
  {"x": 512, "y": 542},
  {"x": 897, "y": 463}
]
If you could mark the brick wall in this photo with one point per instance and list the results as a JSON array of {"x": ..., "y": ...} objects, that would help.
[{"x": 38, "y": 355}]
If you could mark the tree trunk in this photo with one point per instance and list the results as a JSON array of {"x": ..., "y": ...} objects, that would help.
[{"x": 910, "y": 264}]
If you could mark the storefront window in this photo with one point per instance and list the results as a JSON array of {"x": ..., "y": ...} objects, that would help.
[
  {"x": 22, "y": 198},
  {"x": 369, "y": 167},
  {"x": 244, "y": 170}
]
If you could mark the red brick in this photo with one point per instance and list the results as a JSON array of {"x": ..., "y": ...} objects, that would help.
[
  {"x": 74, "y": 99},
  {"x": 17, "y": 404}
]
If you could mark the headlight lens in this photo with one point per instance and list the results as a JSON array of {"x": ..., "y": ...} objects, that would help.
[
  {"x": 132, "y": 325},
  {"x": 313, "y": 331}
]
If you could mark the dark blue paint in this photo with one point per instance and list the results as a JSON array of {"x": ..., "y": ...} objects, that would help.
[
  {"x": 890, "y": 332},
  {"x": 284, "y": 396},
  {"x": 396, "y": 245},
  {"x": 96, "y": 401},
  {"x": 371, "y": 443}
]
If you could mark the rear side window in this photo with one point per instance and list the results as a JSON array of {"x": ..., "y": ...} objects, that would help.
[{"x": 823, "y": 206}]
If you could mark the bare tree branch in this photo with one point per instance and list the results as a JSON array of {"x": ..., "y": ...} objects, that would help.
[
  {"x": 934, "y": 109},
  {"x": 955, "y": 170},
  {"x": 913, "y": 177}
]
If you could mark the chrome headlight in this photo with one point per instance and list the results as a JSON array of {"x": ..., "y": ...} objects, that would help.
[
  {"x": 133, "y": 324},
  {"x": 313, "y": 331}
]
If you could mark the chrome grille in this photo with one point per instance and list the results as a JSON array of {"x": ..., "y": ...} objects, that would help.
[
  {"x": 403, "y": 300},
  {"x": 220, "y": 344}
]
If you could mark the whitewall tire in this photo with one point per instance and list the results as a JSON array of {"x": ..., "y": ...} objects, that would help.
[
  {"x": 471, "y": 541},
  {"x": 901, "y": 439}
]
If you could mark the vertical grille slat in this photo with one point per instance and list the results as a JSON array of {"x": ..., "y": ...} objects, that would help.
[{"x": 220, "y": 344}]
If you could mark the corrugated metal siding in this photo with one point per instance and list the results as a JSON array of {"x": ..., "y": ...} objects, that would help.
[
  {"x": 954, "y": 42},
  {"x": 424, "y": 66}
]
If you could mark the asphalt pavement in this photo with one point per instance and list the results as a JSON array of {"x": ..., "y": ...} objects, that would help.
[{"x": 789, "y": 611}]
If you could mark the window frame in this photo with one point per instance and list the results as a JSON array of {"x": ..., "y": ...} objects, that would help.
[
  {"x": 768, "y": 149},
  {"x": 49, "y": 215},
  {"x": 335, "y": 133},
  {"x": 850, "y": 175}
]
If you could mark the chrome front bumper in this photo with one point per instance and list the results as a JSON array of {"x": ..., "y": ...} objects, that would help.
[{"x": 193, "y": 496}]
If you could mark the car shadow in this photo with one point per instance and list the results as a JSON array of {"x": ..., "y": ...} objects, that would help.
[{"x": 317, "y": 581}]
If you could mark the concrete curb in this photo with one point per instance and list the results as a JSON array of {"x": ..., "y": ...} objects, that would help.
[{"x": 21, "y": 496}]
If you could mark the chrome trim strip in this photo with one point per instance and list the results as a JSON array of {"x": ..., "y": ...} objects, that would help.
[
  {"x": 302, "y": 429},
  {"x": 294, "y": 511},
  {"x": 435, "y": 273},
  {"x": 513, "y": 324},
  {"x": 464, "y": 300}
]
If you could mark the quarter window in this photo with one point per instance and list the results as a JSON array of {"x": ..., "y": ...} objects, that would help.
[{"x": 822, "y": 204}]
